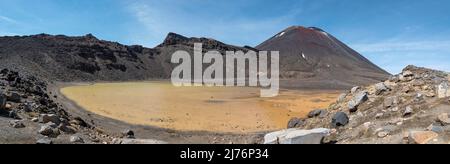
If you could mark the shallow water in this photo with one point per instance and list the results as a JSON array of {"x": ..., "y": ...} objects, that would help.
[{"x": 214, "y": 109}]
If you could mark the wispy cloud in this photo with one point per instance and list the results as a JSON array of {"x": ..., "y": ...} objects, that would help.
[
  {"x": 159, "y": 19},
  {"x": 7, "y": 19},
  {"x": 404, "y": 46},
  {"x": 395, "y": 55}
]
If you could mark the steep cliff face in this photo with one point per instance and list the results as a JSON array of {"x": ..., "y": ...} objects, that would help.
[{"x": 87, "y": 58}]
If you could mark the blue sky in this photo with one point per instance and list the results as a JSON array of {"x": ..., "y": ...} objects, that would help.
[{"x": 391, "y": 33}]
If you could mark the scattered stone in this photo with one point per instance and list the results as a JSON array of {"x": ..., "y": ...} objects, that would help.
[
  {"x": 79, "y": 121},
  {"x": 418, "y": 82},
  {"x": 49, "y": 130},
  {"x": 128, "y": 133},
  {"x": 76, "y": 139},
  {"x": 295, "y": 123},
  {"x": 67, "y": 129},
  {"x": 297, "y": 136},
  {"x": 407, "y": 73},
  {"x": 28, "y": 107},
  {"x": 341, "y": 97},
  {"x": 408, "y": 111},
  {"x": 317, "y": 112},
  {"x": 435, "y": 128},
  {"x": 354, "y": 89},
  {"x": 443, "y": 90},
  {"x": 17, "y": 124},
  {"x": 339, "y": 119},
  {"x": 382, "y": 134},
  {"x": 35, "y": 119},
  {"x": 390, "y": 101},
  {"x": 395, "y": 109},
  {"x": 380, "y": 88},
  {"x": 421, "y": 137},
  {"x": 2, "y": 101},
  {"x": 44, "y": 141},
  {"x": 443, "y": 119},
  {"x": 367, "y": 125},
  {"x": 15, "y": 97},
  {"x": 357, "y": 100},
  {"x": 8, "y": 106},
  {"x": 379, "y": 115},
  {"x": 419, "y": 97},
  {"x": 45, "y": 118}
]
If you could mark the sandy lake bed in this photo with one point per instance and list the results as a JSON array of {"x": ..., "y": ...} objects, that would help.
[{"x": 213, "y": 109}]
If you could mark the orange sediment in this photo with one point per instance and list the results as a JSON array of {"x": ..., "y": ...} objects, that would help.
[{"x": 214, "y": 109}]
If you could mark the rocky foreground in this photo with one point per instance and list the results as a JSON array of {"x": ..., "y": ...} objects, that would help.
[
  {"x": 410, "y": 108},
  {"x": 29, "y": 114}
]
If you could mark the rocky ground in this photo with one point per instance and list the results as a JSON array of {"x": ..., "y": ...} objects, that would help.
[
  {"x": 410, "y": 108},
  {"x": 32, "y": 111},
  {"x": 29, "y": 113}
]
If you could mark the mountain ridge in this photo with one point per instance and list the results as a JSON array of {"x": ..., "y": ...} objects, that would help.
[{"x": 87, "y": 58}]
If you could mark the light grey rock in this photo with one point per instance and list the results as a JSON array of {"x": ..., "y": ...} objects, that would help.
[
  {"x": 380, "y": 88},
  {"x": 390, "y": 101},
  {"x": 17, "y": 124},
  {"x": 44, "y": 141},
  {"x": 341, "y": 97},
  {"x": 357, "y": 100},
  {"x": 443, "y": 119},
  {"x": 408, "y": 111},
  {"x": 443, "y": 90},
  {"x": 355, "y": 89},
  {"x": 297, "y": 136},
  {"x": 76, "y": 139}
]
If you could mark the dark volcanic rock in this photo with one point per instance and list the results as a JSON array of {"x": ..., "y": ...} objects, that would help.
[
  {"x": 339, "y": 119},
  {"x": 2, "y": 101},
  {"x": 313, "y": 54},
  {"x": 295, "y": 123},
  {"x": 317, "y": 112},
  {"x": 87, "y": 58}
]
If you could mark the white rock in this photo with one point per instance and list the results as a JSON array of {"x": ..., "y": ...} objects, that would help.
[
  {"x": 297, "y": 136},
  {"x": 443, "y": 90}
]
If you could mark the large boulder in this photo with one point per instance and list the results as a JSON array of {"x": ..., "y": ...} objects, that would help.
[
  {"x": 357, "y": 100},
  {"x": 297, "y": 136},
  {"x": 443, "y": 90},
  {"x": 339, "y": 119}
]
